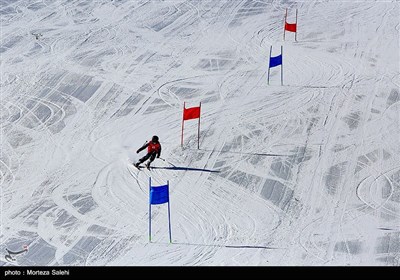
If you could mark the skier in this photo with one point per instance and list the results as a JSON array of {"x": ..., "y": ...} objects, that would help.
[{"x": 153, "y": 150}]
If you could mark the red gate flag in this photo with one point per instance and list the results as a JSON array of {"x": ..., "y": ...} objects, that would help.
[
  {"x": 290, "y": 27},
  {"x": 188, "y": 114},
  {"x": 191, "y": 113}
]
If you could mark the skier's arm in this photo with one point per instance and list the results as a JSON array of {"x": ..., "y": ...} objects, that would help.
[
  {"x": 159, "y": 152},
  {"x": 142, "y": 148}
]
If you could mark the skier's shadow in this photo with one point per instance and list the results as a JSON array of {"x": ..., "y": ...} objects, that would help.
[{"x": 186, "y": 169}]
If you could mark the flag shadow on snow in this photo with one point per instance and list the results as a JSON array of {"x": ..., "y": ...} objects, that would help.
[
  {"x": 242, "y": 153},
  {"x": 225, "y": 246},
  {"x": 186, "y": 169}
]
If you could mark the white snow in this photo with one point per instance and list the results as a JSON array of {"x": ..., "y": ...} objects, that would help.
[{"x": 301, "y": 174}]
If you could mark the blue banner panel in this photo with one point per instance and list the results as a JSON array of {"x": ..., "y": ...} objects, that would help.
[
  {"x": 159, "y": 195},
  {"x": 275, "y": 61}
]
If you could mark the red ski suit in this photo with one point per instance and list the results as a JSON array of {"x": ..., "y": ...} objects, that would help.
[{"x": 153, "y": 147}]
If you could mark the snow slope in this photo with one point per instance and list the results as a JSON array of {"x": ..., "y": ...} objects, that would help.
[{"x": 301, "y": 174}]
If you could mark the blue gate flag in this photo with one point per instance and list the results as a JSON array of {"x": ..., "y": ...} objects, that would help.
[
  {"x": 275, "y": 61},
  {"x": 159, "y": 195}
]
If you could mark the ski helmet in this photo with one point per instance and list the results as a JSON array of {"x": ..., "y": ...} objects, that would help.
[{"x": 154, "y": 138}]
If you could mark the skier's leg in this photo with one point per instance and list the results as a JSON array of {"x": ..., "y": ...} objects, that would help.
[
  {"x": 152, "y": 157},
  {"x": 143, "y": 159}
]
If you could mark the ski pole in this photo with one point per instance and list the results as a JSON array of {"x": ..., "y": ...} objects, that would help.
[{"x": 167, "y": 161}]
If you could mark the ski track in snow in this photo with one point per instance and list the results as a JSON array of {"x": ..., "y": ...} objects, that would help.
[{"x": 306, "y": 173}]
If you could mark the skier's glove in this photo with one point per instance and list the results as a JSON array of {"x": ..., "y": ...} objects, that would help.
[
  {"x": 137, "y": 151},
  {"x": 158, "y": 156}
]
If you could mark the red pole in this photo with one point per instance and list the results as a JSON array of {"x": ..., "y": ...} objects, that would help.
[
  {"x": 284, "y": 26},
  {"x": 198, "y": 131},
  {"x": 183, "y": 117},
  {"x": 295, "y": 34}
]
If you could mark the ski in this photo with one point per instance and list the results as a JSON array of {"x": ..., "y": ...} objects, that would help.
[
  {"x": 141, "y": 167},
  {"x": 138, "y": 167}
]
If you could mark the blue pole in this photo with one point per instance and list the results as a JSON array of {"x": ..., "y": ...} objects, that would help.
[
  {"x": 269, "y": 63},
  {"x": 282, "y": 66},
  {"x": 169, "y": 217},
  {"x": 149, "y": 209}
]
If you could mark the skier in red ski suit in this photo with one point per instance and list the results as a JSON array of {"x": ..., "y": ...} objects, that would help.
[{"x": 153, "y": 150}]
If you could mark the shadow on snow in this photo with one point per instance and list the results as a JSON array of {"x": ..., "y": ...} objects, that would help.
[
  {"x": 222, "y": 246},
  {"x": 185, "y": 169}
]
